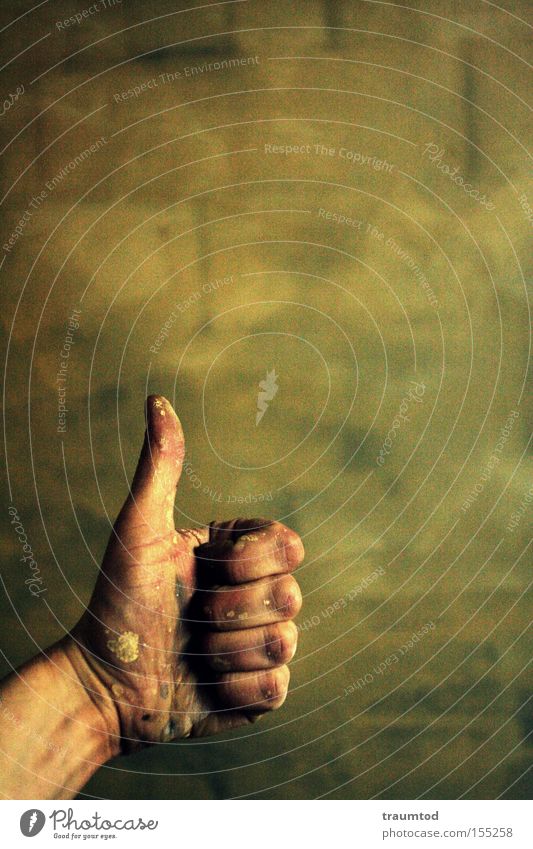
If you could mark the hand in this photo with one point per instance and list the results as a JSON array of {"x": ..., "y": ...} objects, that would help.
[{"x": 188, "y": 632}]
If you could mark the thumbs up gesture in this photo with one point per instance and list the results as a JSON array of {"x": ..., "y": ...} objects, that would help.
[{"x": 188, "y": 632}]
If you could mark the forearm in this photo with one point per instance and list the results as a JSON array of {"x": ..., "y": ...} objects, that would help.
[{"x": 57, "y": 727}]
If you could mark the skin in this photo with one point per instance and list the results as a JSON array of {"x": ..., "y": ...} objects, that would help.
[{"x": 188, "y": 633}]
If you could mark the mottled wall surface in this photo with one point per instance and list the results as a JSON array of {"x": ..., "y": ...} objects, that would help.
[{"x": 257, "y": 186}]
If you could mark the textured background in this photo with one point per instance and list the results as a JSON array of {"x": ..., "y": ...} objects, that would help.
[{"x": 182, "y": 192}]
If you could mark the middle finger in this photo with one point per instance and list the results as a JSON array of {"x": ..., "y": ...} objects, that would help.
[{"x": 261, "y": 602}]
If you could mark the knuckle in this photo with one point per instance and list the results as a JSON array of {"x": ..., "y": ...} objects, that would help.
[
  {"x": 280, "y": 642},
  {"x": 218, "y": 609},
  {"x": 222, "y": 532},
  {"x": 207, "y": 605},
  {"x": 286, "y": 596},
  {"x": 294, "y": 548},
  {"x": 227, "y": 687},
  {"x": 217, "y": 553},
  {"x": 213, "y": 653},
  {"x": 289, "y": 546},
  {"x": 238, "y": 567},
  {"x": 274, "y": 686},
  {"x": 242, "y": 527}
]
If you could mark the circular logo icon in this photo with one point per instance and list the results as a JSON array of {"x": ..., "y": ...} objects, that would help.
[{"x": 32, "y": 822}]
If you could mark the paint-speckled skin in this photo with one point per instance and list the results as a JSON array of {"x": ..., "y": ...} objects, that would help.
[{"x": 188, "y": 631}]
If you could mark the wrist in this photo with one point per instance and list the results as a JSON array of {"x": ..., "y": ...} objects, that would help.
[
  {"x": 59, "y": 725},
  {"x": 92, "y": 698}
]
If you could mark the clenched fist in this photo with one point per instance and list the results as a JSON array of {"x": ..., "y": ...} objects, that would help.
[{"x": 188, "y": 632}]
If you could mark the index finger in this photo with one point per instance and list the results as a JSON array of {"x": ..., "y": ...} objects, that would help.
[{"x": 249, "y": 549}]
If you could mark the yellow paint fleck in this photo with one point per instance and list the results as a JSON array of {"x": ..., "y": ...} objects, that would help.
[
  {"x": 230, "y": 614},
  {"x": 243, "y": 616},
  {"x": 241, "y": 542},
  {"x": 125, "y": 647},
  {"x": 267, "y": 602}
]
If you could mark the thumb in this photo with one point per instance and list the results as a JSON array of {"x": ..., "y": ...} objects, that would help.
[{"x": 152, "y": 493}]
